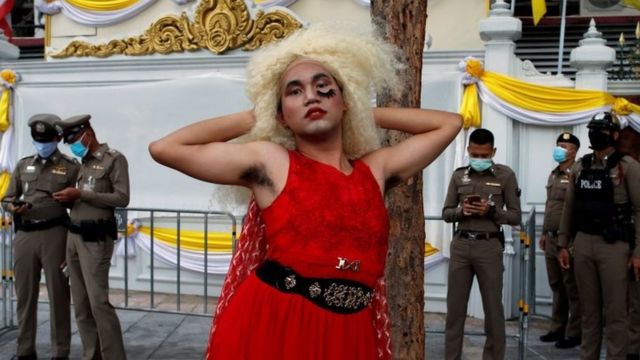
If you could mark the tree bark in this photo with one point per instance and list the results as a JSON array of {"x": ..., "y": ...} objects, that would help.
[{"x": 404, "y": 25}]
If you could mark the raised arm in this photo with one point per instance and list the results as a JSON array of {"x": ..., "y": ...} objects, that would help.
[
  {"x": 432, "y": 131},
  {"x": 201, "y": 150}
]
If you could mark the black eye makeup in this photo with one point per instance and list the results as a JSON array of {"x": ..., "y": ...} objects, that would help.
[{"x": 327, "y": 94}]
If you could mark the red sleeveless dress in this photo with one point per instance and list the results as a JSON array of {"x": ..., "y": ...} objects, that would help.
[{"x": 321, "y": 214}]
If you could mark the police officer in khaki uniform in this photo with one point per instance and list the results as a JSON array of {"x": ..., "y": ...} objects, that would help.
[
  {"x": 41, "y": 234},
  {"x": 565, "y": 316},
  {"x": 481, "y": 197},
  {"x": 103, "y": 185},
  {"x": 601, "y": 205},
  {"x": 629, "y": 143}
]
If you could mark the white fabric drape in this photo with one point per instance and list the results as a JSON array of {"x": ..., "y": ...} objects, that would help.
[
  {"x": 533, "y": 117},
  {"x": 94, "y": 18}
]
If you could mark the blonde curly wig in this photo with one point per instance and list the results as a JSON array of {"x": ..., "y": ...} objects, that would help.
[{"x": 361, "y": 62}]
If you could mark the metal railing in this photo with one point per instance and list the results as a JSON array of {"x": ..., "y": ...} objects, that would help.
[
  {"x": 6, "y": 265},
  {"x": 122, "y": 216},
  {"x": 209, "y": 219}
]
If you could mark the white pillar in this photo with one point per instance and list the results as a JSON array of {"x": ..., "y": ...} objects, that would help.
[
  {"x": 499, "y": 31},
  {"x": 591, "y": 58}
]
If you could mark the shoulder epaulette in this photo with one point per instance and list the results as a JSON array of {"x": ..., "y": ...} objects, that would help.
[{"x": 69, "y": 158}]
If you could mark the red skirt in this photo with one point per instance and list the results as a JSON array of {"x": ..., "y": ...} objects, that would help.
[{"x": 264, "y": 323}]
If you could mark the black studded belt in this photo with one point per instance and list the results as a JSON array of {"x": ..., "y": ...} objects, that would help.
[{"x": 337, "y": 295}]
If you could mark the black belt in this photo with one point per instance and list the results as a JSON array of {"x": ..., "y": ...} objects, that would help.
[
  {"x": 337, "y": 295},
  {"x": 95, "y": 230},
  {"x": 479, "y": 235},
  {"x": 37, "y": 224}
]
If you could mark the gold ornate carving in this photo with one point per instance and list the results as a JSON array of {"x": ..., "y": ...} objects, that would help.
[{"x": 218, "y": 25}]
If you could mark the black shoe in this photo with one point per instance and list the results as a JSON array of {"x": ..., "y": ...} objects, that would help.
[
  {"x": 633, "y": 356},
  {"x": 60, "y": 358},
  {"x": 552, "y": 336},
  {"x": 568, "y": 343},
  {"x": 28, "y": 357}
]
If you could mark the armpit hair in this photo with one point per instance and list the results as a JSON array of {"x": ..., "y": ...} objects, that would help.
[
  {"x": 391, "y": 182},
  {"x": 256, "y": 175}
]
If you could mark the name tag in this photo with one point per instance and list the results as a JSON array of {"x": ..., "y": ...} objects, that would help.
[
  {"x": 493, "y": 184},
  {"x": 59, "y": 170},
  {"x": 30, "y": 169},
  {"x": 98, "y": 167},
  {"x": 564, "y": 181}
]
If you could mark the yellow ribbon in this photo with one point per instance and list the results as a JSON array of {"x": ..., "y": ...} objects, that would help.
[
  {"x": 4, "y": 110},
  {"x": 622, "y": 106},
  {"x": 5, "y": 178},
  {"x": 102, "y": 5},
  {"x": 470, "y": 107},
  {"x": 474, "y": 68}
]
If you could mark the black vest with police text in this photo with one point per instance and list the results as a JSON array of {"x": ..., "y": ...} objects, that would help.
[{"x": 594, "y": 209}]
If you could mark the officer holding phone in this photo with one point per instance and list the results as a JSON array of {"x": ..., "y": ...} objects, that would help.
[
  {"x": 103, "y": 185},
  {"x": 481, "y": 197},
  {"x": 41, "y": 233}
]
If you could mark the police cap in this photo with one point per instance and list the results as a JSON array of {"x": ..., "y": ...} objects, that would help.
[
  {"x": 604, "y": 120},
  {"x": 70, "y": 127},
  {"x": 43, "y": 127},
  {"x": 567, "y": 137}
]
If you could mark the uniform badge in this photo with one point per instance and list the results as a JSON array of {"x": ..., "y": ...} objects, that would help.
[
  {"x": 59, "y": 170},
  {"x": 97, "y": 167},
  {"x": 465, "y": 177}
]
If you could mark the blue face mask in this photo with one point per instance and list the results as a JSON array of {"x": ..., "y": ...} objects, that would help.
[
  {"x": 480, "y": 165},
  {"x": 559, "y": 154},
  {"x": 45, "y": 149},
  {"x": 78, "y": 149}
]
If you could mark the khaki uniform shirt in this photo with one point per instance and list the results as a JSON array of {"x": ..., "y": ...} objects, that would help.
[
  {"x": 556, "y": 190},
  {"x": 103, "y": 183},
  {"x": 626, "y": 188},
  {"x": 37, "y": 179},
  {"x": 497, "y": 183}
]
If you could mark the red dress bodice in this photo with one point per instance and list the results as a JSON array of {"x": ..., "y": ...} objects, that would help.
[{"x": 322, "y": 215}]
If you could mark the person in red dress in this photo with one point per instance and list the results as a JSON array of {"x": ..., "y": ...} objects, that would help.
[{"x": 306, "y": 281}]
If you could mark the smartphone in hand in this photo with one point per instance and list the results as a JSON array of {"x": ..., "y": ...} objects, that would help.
[{"x": 474, "y": 199}]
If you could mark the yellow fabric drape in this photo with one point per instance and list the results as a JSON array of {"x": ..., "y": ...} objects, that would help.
[
  {"x": 538, "y": 9},
  {"x": 219, "y": 242},
  {"x": 102, "y": 5},
  {"x": 5, "y": 178},
  {"x": 429, "y": 250},
  {"x": 190, "y": 239},
  {"x": 543, "y": 98},
  {"x": 470, "y": 107},
  {"x": 4, "y": 110},
  {"x": 633, "y": 3}
]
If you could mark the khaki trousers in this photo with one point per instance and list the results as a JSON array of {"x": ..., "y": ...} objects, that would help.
[
  {"x": 601, "y": 275},
  {"x": 98, "y": 324},
  {"x": 483, "y": 259},
  {"x": 35, "y": 251},
  {"x": 565, "y": 314},
  {"x": 634, "y": 317}
]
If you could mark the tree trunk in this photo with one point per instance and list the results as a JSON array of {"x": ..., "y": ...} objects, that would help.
[{"x": 405, "y": 27}]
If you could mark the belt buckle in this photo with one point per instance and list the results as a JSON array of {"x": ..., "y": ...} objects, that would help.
[{"x": 472, "y": 236}]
